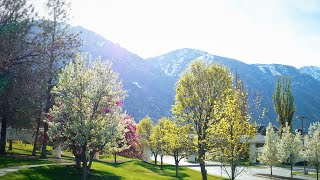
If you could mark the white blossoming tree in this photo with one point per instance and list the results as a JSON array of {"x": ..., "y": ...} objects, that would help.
[
  {"x": 118, "y": 141},
  {"x": 87, "y": 108},
  {"x": 289, "y": 147},
  {"x": 312, "y": 152},
  {"x": 270, "y": 151}
]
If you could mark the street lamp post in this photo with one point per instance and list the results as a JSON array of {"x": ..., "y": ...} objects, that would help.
[{"x": 305, "y": 172}]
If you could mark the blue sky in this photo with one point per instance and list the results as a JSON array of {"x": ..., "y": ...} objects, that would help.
[{"x": 253, "y": 31}]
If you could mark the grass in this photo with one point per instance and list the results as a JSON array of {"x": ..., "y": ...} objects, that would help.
[
  {"x": 132, "y": 170},
  {"x": 110, "y": 158},
  {"x": 10, "y": 161},
  {"x": 20, "y": 155},
  {"x": 26, "y": 149},
  {"x": 126, "y": 168},
  {"x": 310, "y": 174}
]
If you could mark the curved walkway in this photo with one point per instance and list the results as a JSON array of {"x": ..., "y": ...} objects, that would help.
[
  {"x": 4, "y": 171},
  {"x": 248, "y": 174}
]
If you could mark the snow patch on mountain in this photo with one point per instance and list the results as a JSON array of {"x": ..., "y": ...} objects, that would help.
[
  {"x": 171, "y": 69},
  {"x": 137, "y": 84},
  {"x": 262, "y": 69},
  {"x": 313, "y": 71},
  {"x": 271, "y": 68},
  {"x": 208, "y": 57}
]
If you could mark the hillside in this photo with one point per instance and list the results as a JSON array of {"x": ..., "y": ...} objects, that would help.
[{"x": 150, "y": 82}]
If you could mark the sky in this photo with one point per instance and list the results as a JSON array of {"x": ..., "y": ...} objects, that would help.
[{"x": 252, "y": 31}]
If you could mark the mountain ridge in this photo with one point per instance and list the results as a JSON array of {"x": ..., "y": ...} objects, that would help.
[{"x": 150, "y": 82}]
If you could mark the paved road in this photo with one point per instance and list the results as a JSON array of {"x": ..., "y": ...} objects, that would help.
[
  {"x": 4, "y": 171},
  {"x": 260, "y": 173}
]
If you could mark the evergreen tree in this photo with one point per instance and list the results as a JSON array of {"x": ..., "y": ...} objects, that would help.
[
  {"x": 16, "y": 48},
  {"x": 270, "y": 151},
  {"x": 284, "y": 102},
  {"x": 58, "y": 44}
]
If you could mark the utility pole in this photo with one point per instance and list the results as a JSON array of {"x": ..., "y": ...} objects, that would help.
[{"x": 305, "y": 172}]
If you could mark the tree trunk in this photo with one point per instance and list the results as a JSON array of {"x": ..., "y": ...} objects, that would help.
[
  {"x": 233, "y": 169},
  {"x": 115, "y": 157},
  {"x": 44, "y": 141},
  {"x": 161, "y": 157},
  {"x": 177, "y": 168},
  {"x": 10, "y": 145},
  {"x": 271, "y": 170},
  {"x": 46, "y": 110},
  {"x": 90, "y": 160},
  {"x": 291, "y": 172},
  {"x": 35, "y": 144},
  {"x": 203, "y": 171},
  {"x": 84, "y": 163},
  {"x": 84, "y": 167},
  {"x": 201, "y": 154},
  {"x": 3, "y": 134},
  {"x": 77, "y": 157},
  {"x": 317, "y": 167},
  {"x": 155, "y": 159}
]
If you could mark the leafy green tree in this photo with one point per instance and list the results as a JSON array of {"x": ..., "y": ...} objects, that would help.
[
  {"x": 144, "y": 131},
  {"x": 284, "y": 102},
  {"x": 58, "y": 44},
  {"x": 179, "y": 141},
  {"x": 270, "y": 151},
  {"x": 155, "y": 143},
  {"x": 312, "y": 152},
  {"x": 201, "y": 92},
  {"x": 289, "y": 147},
  {"x": 231, "y": 135},
  {"x": 87, "y": 109},
  {"x": 16, "y": 48},
  {"x": 161, "y": 130}
]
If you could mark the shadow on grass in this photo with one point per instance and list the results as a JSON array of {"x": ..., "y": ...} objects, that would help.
[
  {"x": 116, "y": 165},
  {"x": 10, "y": 160},
  {"x": 16, "y": 150},
  {"x": 168, "y": 170},
  {"x": 58, "y": 173},
  {"x": 276, "y": 177}
]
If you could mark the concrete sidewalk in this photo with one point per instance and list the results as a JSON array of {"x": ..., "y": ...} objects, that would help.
[{"x": 250, "y": 173}]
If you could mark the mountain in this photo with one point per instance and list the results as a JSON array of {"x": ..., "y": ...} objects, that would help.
[
  {"x": 150, "y": 82},
  {"x": 313, "y": 71}
]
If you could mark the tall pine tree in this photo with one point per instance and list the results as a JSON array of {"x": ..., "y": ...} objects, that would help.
[
  {"x": 58, "y": 45},
  {"x": 16, "y": 48}
]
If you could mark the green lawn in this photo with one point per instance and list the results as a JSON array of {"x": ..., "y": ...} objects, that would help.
[
  {"x": 21, "y": 155},
  {"x": 310, "y": 174},
  {"x": 20, "y": 148},
  {"x": 10, "y": 161},
  {"x": 110, "y": 158},
  {"x": 104, "y": 169},
  {"x": 133, "y": 170}
]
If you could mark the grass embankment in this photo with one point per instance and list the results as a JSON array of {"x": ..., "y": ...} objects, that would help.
[
  {"x": 20, "y": 155},
  {"x": 103, "y": 170},
  {"x": 126, "y": 168}
]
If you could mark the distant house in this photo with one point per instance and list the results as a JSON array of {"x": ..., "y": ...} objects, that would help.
[
  {"x": 25, "y": 135},
  {"x": 257, "y": 142}
]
